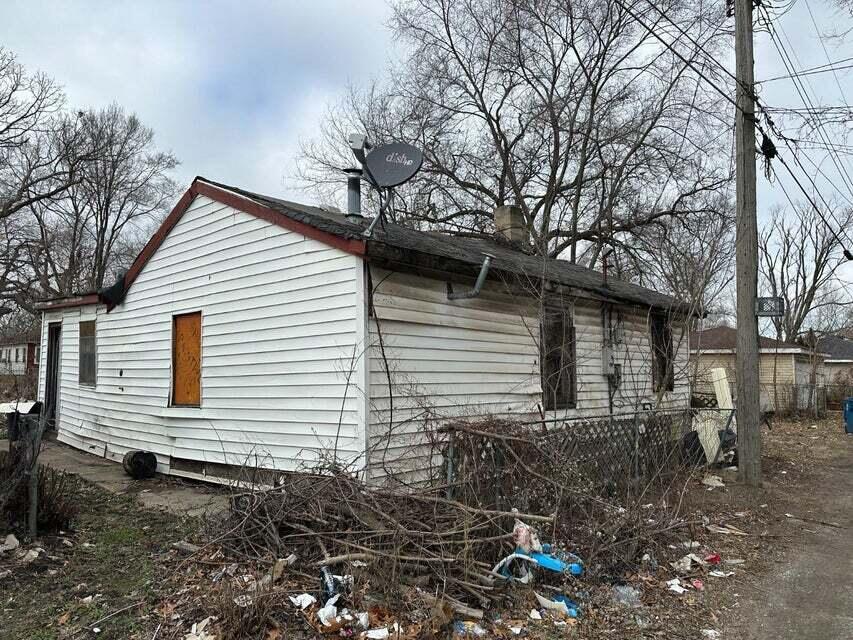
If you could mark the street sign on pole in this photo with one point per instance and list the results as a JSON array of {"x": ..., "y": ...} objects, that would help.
[{"x": 772, "y": 307}]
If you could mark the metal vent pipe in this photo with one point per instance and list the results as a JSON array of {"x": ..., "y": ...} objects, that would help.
[{"x": 353, "y": 191}]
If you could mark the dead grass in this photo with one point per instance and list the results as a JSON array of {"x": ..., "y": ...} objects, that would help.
[{"x": 119, "y": 556}]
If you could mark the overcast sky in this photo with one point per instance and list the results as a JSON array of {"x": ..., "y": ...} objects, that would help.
[
  {"x": 231, "y": 87},
  {"x": 228, "y": 87}
]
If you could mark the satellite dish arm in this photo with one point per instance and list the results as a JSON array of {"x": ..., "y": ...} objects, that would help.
[{"x": 383, "y": 207}]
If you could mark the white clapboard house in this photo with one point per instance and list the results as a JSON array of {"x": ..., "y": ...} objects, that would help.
[{"x": 254, "y": 329}]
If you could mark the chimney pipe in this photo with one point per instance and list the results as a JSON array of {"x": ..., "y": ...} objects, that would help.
[{"x": 353, "y": 191}]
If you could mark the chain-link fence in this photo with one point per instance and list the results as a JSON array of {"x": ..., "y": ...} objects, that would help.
[
  {"x": 784, "y": 399},
  {"x": 836, "y": 394}
]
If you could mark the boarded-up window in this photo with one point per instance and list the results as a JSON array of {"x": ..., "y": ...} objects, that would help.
[
  {"x": 557, "y": 346},
  {"x": 663, "y": 355},
  {"x": 88, "y": 354},
  {"x": 186, "y": 360}
]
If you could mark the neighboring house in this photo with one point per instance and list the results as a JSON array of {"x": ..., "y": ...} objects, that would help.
[
  {"x": 19, "y": 358},
  {"x": 780, "y": 364},
  {"x": 839, "y": 359},
  {"x": 251, "y": 329}
]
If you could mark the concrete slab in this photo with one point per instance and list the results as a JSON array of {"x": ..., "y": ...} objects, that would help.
[{"x": 183, "y": 497}]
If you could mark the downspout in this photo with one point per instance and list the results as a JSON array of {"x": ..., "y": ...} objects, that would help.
[{"x": 478, "y": 285}]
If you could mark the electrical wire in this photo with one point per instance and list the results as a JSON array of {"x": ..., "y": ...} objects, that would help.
[
  {"x": 758, "y": 126},
  {"x": 788, "y": 62},
  {"x": 826, "y": 53},
  {"x": 808, "y": 103},
  {"x": 823, "y": 68}
]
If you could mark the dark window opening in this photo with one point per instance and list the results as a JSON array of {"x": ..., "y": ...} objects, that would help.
[
  {"x": 88, "y": 373},
  {"x": 663, "y": 354},
  {"x": 557, "y": 356}
]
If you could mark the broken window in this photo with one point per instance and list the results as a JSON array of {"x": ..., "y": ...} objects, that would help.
[
  {"x": 186, "y": 360},
  {"x": 88, "y": 371},
  {"x": 663, "y": 355},
  {"x": 557, "y": 357}
]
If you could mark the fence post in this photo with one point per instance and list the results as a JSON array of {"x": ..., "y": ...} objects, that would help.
[
  {"x": 33, "y": 489},
  {"x": 451, "y": 452}
]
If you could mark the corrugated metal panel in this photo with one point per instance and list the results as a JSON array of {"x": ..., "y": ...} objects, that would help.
[{"x": 279, "y": 332}]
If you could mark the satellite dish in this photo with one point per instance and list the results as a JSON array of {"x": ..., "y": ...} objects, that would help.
[{"x": 393, "y": 164}]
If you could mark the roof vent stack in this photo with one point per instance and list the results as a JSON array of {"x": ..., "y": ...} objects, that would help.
[
  {"x": 509, "y": 222},
  {"x": 353, "y": 192}
]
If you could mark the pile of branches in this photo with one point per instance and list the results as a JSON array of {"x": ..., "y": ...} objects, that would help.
[
  {"x": 443, "y": 541},
  {"x": 401, "y": 538}
]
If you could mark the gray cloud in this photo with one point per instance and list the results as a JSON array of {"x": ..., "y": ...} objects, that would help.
[{"x": 229, "y": 87}]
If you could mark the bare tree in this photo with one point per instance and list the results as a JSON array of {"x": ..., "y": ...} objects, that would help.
[
  {"x": 571, "y": 110},
  {"x": 98, "y": 224},
  {"x": 692, "y": 258},
  {"x": 800, "y": 261},
  {"x": 39, "y": 153}
]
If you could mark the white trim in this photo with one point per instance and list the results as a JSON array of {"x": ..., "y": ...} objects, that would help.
[{"x": 362, "y": 373}]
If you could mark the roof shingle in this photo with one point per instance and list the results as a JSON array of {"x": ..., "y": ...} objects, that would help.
[{"x": 464, "y": 249}]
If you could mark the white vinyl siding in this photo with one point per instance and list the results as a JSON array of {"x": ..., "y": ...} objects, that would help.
[
  {"x": 279, "y": 326},
  {"x": 477, "y": 357}
]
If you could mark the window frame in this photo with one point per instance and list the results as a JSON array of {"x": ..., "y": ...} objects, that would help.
[
  {"x": 552, "y": 398},
  {"x": 173, "y": 386},
  {"x": 94, "y": 338},
  {"x": 660, "y": 329}
]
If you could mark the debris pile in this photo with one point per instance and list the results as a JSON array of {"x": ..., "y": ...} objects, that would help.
[{"x": 507, "y": 534}]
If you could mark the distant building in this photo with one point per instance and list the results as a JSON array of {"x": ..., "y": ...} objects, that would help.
[
  {"x": 784, "y": 368},
  {"x": 19, "y": 358},
  {"x": 839, "y": 359}
]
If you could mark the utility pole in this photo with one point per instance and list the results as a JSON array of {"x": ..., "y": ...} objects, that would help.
[{"x": 748, "y": 402}]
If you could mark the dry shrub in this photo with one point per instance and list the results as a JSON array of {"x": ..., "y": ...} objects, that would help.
[
  {"x": 614, "y": 486},
  {"x": 243, "y": 615},
  {"x": 58, "y": 495}
]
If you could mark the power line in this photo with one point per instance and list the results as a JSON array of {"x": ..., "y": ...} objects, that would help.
[
  {"x": 845, "y": 176},
  {"x": 788, "y": 62},
  {"x": 826, "y": 53},
  {"x": 670, "y": 47},
  {"x": 824, "y": 68},
  {"x": 726, "y": 96},
  {"x": 847, "y": 253}
]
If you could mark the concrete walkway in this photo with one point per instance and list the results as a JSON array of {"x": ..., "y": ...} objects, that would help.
[{"x": 183, "y": 497}]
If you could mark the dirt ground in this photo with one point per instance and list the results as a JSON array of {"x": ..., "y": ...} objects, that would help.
[
  {"x": 116, "y": 570},
  {"x": 804, "y": 589},
  {"x": 105, "y": 573}
]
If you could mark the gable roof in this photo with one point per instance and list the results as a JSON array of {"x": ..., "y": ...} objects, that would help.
[
  {"x": 725, "y": 339},
  {"x": 399, "y": 244},
  {"x": 836, "y": 348}
]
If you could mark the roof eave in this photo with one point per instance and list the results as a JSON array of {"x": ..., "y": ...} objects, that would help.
[
  {"x": 67, "y": 302},
  {"x": 435, "y": 266}
]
